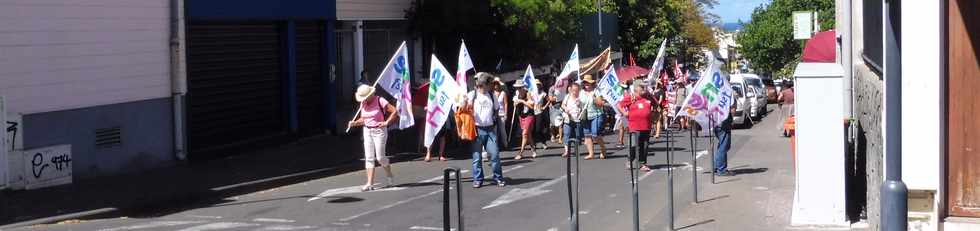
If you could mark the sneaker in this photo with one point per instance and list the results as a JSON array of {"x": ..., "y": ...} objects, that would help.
[
  {"x": 477, "y": 184},
  {"x": 725, "y": 173},
  {"x": 500, "y": 183}
]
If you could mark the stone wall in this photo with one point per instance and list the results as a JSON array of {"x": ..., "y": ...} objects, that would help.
[{"x": 869, "y": 143}]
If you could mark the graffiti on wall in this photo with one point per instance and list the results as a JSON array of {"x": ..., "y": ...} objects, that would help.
[{"x": 48, "y": 166}]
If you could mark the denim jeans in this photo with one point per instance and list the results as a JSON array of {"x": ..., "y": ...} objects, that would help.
[
  {"x": 574, "y": 130},
  {"x": 486, "y": 138},
  {"x": 724, "y": 135}
]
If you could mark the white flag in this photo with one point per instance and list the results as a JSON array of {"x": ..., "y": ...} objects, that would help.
[
  {"x": 571, "y": 66},
  {"x": 443, "y": 92},
  {"x": 465, "y": 64},
  {"x": 609, "y": 87},
  {"x": 396, "y": 81},
  {"x": 658, "y": 64},
  {"x": 528, "y": 80},
  {"x": 709, "y": 100}
]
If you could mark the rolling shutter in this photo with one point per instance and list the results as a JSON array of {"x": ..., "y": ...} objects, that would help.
[
  {"x": 234, "y": 82},
  {"x": 309, "y": 77}
]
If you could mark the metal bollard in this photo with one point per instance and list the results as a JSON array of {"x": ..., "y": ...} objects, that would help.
[
  {"x": 670, "y": 183},
  {"x": 694, "y": 169},
  {"x": 446, "y": 218},
  {"x": 572, "y": 197},
  {"x": 633, "y": 184}
]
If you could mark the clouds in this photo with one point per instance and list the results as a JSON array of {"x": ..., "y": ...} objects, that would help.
[{"x": 734, "y": 10}]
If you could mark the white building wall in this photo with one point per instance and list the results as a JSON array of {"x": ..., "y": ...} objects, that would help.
[
  {"x": 372, "y": 9},
  {"x": 59, "y": 55},
  {"x": 921, "y": 96}
]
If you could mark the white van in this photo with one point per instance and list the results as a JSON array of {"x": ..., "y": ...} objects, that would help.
[{"x": 753, "y": 94}]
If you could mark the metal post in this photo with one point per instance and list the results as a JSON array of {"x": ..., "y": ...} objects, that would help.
[
  {"x": 577, "y": 190},
  {"x": 572, "y": 214},
  {"x": 670, "y": 183},
  {"x": 633, "y": 183},
  {"x": 694, "y": 169},
  {"x": 446, "y": 218},
  {"x": 711, "y": 124},
  {"x": 894, "y": 194}
]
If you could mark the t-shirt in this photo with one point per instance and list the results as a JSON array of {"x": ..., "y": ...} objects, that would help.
[
  {"x": 371, "y": 111},
  {"x": 592, "y": 109},
  {"x": 681, "y": 95},
  {"x": 638, "y": 112},
  {"x": 575, "y": 108},
  {"x": 483, "y": 107},
  {"x": 788, "y": 96},
  {"x": 501, "y": 96}
]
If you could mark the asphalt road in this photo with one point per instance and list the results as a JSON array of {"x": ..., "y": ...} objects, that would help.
[{"x": 535, "y": 199}]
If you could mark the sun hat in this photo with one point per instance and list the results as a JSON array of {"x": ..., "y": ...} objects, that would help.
[
  {"x": 519, "y": 84},
  {"x": 588, "y": 79},
  {"x": 363, "y": 92}
]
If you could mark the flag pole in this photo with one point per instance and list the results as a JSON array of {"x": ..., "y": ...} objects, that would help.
[{"x": 374, "y": 85}]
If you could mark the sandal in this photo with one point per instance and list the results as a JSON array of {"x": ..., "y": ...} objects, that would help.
[
  {"x": 589, "y": 157},
  {"x": 427, "y": 159},
  {"x": 518, "y": 157},
  {"x": 443, "y": 158},
  {"x": 534, "y": 155},
  {"x": 645, "y": 168},
  {"x": 367, "y": 188}
]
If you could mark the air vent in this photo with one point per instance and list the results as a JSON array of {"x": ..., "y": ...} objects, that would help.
[{"x": 108, "y": 137}]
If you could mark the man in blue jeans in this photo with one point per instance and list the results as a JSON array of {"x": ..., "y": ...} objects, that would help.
[
  {"x": 724, "y": 134},
  {"x": 484, "y": 114}
]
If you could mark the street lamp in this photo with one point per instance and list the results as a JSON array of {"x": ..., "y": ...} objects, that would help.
[{"x": 894, "y": 194}]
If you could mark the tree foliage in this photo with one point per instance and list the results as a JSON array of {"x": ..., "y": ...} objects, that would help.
[
  {"x": 644, "y": 24},
  {"x": 767, "y": 41}
]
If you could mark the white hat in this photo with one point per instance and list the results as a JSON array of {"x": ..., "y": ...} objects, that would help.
[{"x": 363, "y": 92}]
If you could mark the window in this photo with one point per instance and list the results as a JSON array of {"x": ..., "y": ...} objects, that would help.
[{"x": 872, "y": 52}]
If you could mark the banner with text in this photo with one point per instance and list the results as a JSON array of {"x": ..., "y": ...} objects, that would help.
[
  {"x": 443, "y": 91},
  {"x": 396, "y": 81},
  {"x": 709, "y": 101}
]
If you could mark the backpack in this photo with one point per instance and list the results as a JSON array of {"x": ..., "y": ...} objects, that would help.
[{"x": 466, "y": 120}]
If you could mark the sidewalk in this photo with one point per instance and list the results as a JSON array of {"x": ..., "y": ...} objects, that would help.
[
  {"x": 759, "y": 197},
  {"x": 177, "y": 186}
]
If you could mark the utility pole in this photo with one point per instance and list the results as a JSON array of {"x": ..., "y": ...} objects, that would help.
[
  {"x": 599, "y": 10},
  {"x": 894, "y": 194}
]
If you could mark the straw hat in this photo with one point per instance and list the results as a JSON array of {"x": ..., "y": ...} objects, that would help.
[
  {"x": 537, "y": 82},
  {"x": 588, "y": 79},
  {"x": 519, "y": 84},
  {"x": 363, "y": 92}
]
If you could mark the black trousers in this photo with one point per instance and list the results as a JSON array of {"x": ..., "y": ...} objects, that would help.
[{"x": 640, "y": 142}]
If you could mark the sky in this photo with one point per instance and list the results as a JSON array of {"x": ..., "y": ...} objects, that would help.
[{"x": 734, "y": 10}]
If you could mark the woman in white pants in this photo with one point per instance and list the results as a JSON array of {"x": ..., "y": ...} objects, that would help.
[{"x": 373, "y": 111}]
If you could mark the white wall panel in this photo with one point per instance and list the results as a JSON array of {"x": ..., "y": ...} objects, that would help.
[{"x": 59, "y": 55}]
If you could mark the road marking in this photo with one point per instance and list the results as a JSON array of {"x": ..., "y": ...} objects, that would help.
[
  {"x": 227, "y": 187},
  {"x": 520, "y": 194},
  {"x": 647, "y": 174},
  {"x": 700, "y": 154},
  {"x": 155, "y": 224},
  {"x": 438, "y": 178},
  {"x": 553, "y": 229},
  {"x": 427, "y": 228},
  {"x": 218, "y": 226},
  {"x": 410, "y": 199},
  {"x": 276, "y": 220},
  {"x": 205, "y": 217},
  {"x": 350, "y": 190},
  {"x": 340, "y": 223},
  {"x": 284, "y": 228}
]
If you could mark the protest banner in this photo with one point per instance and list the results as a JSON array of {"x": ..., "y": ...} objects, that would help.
[{"x": 443, "y": 92}]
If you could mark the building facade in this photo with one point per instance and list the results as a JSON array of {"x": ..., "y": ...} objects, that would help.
[
  {"x": 94, "y": 75},
  {"x": 938, "y": 43}
]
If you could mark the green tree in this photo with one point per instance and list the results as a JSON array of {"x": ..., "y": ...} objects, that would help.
[
  {"x": 644, "y": 24},
  {"x": 767, "y": 41}
]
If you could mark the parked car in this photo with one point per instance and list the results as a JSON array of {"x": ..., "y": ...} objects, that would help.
[
  {"x": 742, "y": 103},
  {"x": 754, "y": 93}
]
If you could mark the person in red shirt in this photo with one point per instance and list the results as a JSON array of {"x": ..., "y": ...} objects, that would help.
[{"x": 638, "y": 107}]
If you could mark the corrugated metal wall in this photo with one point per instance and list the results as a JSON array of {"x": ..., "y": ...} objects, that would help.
[{"x": 372, "y": 9}]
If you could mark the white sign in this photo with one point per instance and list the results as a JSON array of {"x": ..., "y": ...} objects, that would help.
[
  {"x": 48, "y": 166},
  {"x": 802, "y": 24}
]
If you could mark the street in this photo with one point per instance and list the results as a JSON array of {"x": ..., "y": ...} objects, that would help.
[{"x": 759, "y": 197}]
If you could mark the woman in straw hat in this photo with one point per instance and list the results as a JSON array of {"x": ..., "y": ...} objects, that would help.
[
  {"x": 373, "y": 111},
  {"x": 524, "y": 108},
  {"x": 593, "y": 119}
]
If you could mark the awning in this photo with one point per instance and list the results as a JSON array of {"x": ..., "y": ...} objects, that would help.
[{"x": 821, "y": 48}]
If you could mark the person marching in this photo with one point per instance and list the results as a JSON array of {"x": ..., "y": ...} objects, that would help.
[
  {"x": 500, "y": 94},
  {"x": 484, "y": 106},
  {"x": 542, "y": 118},
  {"x": 638, "y": 108},
  {"x": 524, "y": 107},
  {"x": 594, "y": 116},
  {"x": 375, "y": 133},
  {"x": 623, "y": 123},
  {"x": 681, "y": 95},
  {"x": 574, "y": 114}
]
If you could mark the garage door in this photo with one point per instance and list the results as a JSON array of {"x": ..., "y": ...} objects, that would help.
[
  {"x": 309, "y": 77},
  {"x": 235, "y": 85}
]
